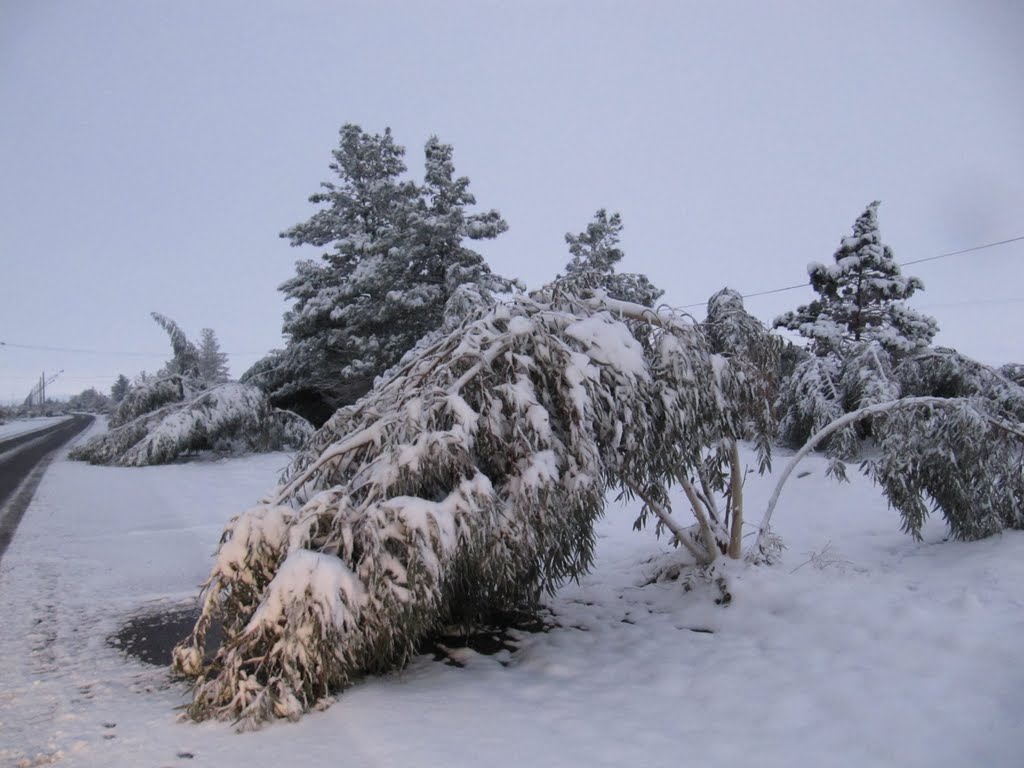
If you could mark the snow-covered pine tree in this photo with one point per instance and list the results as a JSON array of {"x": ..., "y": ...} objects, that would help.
[
  {"x": 397, "y": 256},
  {"x": 213, "y": 364},
  {"x": 467, "y": 483},
  {"x": 595, "y": 252},
  {"x": 861, "y": 297},
  {"x": 859, "y": 327},
  {"x": 119, "y": 389}
]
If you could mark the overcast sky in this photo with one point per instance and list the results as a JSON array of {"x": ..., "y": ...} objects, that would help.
[{"x": 151, "y": 152}]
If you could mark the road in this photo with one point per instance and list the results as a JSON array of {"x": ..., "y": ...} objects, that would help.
[{"x": 23, "y": 459}]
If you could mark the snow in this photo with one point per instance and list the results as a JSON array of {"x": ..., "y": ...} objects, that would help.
[
  {"x": 609, "y": 343},
  {"x": 324, "y": 577},
  {"x": 861, "y": 647},
  {"x": 24, "y": 426}
]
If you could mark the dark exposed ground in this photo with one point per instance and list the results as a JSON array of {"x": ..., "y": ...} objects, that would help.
[{"x": 150, "y": 637}]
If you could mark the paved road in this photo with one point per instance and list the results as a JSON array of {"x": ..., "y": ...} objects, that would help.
[{"x": 23, "y": 459}]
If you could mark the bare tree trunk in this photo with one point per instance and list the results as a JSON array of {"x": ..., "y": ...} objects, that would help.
[
  {"x": 707, "y": 535},
  {"x": 736, "y": 500}
]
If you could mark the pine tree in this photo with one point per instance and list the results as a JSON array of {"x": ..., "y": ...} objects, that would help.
[
  {"x": 861, "y": 298},
  {"x": 213, "y": 364},
  {"x": 397, "y": 258},
  {"x": 595, "y": 252},
  {"x": 120, "y": 388}
]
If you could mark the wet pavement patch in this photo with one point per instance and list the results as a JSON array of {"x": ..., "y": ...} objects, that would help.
[{"x": 150, "y": 637}]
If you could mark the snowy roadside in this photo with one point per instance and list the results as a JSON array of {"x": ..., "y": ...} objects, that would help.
[
  {"x": 861, "y": 648},
  {"x": 24, "y": 426}
]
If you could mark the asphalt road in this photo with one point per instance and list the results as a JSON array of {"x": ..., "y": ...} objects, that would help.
[{"x": 23, "y": 459}]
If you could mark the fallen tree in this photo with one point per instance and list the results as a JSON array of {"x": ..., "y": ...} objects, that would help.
[
  {"x": 231, "y": 418},
  {"x": 467, "y": 483}
]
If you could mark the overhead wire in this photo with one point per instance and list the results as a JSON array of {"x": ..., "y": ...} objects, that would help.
[{"x": 901, "y": 263}]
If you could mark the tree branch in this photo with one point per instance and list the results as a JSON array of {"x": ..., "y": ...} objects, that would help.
[
  {"x": 845, "y": 421},
  {"x": 677, "y": 530}
]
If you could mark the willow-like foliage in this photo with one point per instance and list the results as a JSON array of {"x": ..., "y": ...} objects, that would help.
[{"x": 467, "y": 483}]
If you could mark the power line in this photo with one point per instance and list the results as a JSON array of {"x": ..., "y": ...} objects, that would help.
[
  {"x": 901, "y": 264},
  {"x": 965, "y": 250},
  {"x": 41, "y": 348}
]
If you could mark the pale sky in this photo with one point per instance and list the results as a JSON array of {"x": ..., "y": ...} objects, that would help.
[{"x": 151, "y": 152}]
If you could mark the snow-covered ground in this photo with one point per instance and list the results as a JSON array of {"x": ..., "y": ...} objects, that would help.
[
  {"x": 24, "y": 426},
  {"x": 861, "y": 648}
]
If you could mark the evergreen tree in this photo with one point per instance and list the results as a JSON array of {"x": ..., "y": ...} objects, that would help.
[
  {"x": 397, "y": 258},
  {"x": 120, "y": 388},
  {"x": 213, "y": 364},
  {"x": 595, "y": 252},
  {"x": 861, "y": 298}
]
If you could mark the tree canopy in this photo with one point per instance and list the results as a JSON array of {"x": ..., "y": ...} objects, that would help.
[{"x": 396, "y": 259}]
